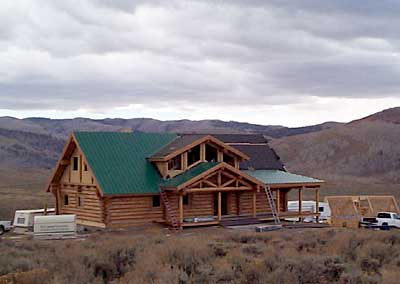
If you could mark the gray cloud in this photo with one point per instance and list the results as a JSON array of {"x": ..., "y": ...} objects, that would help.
[{"x": 102, "y": 54}]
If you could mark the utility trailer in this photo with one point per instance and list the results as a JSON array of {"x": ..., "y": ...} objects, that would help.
[
  {"x": 24, "y": 219},
  {"x": 55, "y": 227},
  {"x": 310, "y": 206}
]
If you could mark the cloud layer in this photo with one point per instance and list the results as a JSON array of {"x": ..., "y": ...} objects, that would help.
[{"x": 102, "y": 55}]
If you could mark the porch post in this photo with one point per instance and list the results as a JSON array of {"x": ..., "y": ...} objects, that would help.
[
  {"x": 278, "y": 200},
  {"x": 317, "y": 203},
  {"x": 300, "y": 202},
  {"x": 180, "y": 210},
  {"x": 219, "y": 206},
  {"x": 254, "y": 204}
]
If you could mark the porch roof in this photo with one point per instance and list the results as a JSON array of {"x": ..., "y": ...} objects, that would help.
[
  {"x": 188, "y": 175},
  {"x": 282, "y": 178}
]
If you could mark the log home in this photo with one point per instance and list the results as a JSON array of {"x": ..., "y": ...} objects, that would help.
[{"x": 113, "y": 179}]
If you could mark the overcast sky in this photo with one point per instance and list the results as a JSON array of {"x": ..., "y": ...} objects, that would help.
[{"x": 282, "y": 62}]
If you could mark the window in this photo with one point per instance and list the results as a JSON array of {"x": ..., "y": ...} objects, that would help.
[
  {"x": 384, "y": 215},
  {"x": 321, "y": 209},
  {"x": 20, "y": 220},
  {"x": 156, "y": 201},
  {"x": 194, "y": 155},
  {"x": 211, "y": 153},
  {"x": 229, "y": 160},
  {"x": 175, "y": 163},
  {"x": 66, "y": 200},
  {"x": 80, "y": 201},
  {"x": 75, "y": 164},
  {"x": 186, "y": 199},
  {"x": 85, "y": 168}
]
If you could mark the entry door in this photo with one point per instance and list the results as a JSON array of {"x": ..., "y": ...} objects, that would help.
[{"x": 224, "y": 203}]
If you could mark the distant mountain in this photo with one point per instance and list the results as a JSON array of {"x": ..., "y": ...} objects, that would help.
[
  {"x": 364, "y": 148},
  {"x": 19, "y": 149},
  {"x": 63, "y": 127},
  {"x": 37, "y": 142}
]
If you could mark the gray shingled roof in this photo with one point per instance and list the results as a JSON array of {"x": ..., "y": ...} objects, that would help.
[{"x": 262, "y": 157}]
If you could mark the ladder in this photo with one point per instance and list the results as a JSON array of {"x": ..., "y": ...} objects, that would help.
[
  {"x": 168, "y": 210},
  {"x": 271, "y": 202}
]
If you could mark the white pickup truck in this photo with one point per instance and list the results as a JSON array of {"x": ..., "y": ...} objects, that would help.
[
  {"x": 5, "y": 226},
  {"x": 382, "y": 220}
]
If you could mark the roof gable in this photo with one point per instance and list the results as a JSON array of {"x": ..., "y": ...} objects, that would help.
[
  {"x": 188, "y": 141},
  {"x": 204, "y": 169},
  {"x": 119, "y": 160}
]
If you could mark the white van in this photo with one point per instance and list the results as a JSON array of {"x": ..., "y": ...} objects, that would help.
[
  {"x": 309, "y": 206},
  {"x": 24, "y": 219}
]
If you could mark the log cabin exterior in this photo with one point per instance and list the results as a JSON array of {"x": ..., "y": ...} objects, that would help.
[{"x": 115, "y": 179}]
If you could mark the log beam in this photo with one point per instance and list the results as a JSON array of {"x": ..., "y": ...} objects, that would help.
[
  {"x": 300, "y": 201},
  {"x": 219, "y": 206},
  {"x": 254, "y": 204},
  {"x": 317, "y": 203},
  {"x": 180, "y": 210}
]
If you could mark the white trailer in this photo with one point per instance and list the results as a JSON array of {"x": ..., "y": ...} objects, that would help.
[
  {"x": 309, "y": 206},
  {"x": 55, "y": 227},
  {"x": 24, "y": 219}
]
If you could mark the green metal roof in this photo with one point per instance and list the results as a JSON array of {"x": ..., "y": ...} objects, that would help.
[
  {"x": 119, "y": 160},
  {"x": 188, "y": 175},
  {"x": 280, "y": 177}
]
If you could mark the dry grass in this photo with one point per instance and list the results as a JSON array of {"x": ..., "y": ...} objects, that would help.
[
  {"x": 22, "y": 189},
  {"x": 213, "y": 256}
]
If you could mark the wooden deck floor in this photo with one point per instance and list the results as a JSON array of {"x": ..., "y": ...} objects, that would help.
[{"x": 260, "y": 217}]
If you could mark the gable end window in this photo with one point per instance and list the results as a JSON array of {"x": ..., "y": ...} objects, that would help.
[
  {"x": 156, "y": 201},
  {"x": 75, "y": 163}
]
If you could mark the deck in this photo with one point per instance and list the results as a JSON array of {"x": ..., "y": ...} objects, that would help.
[{"x": 242, "y": 219}]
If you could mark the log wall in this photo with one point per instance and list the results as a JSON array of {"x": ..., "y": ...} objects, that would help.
[
  {"x": 91, "y": 209},
  {"x": 131, "y": 211}
]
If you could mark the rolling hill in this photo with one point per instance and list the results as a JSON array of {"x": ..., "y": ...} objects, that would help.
[
  {"x": 37, "y": 142},
  {"x": 365, "y": 148}
]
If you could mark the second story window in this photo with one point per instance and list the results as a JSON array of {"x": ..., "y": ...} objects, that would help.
[
  {"x": 175, "y": 163},
  {"x": 229, "y": 159},
  {"x": 194, "y": 155}
]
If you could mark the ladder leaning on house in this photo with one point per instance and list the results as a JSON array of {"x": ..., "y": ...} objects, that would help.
[
  {"x": 272, "y": 205},
  {"x": 168, "y": 210}
]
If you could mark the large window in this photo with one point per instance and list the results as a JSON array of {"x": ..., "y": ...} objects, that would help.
[
  {"x": 211, "y": 153},
  {"x": 75, "y": 163},
  {"x": 194, "y": 155},
  {"x": 175, "y": 163}
]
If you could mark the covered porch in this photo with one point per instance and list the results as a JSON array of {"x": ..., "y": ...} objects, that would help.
[{"x": 209, "y": 194}]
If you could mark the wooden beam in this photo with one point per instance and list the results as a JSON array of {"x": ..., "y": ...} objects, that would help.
[
  {"x": 214, "y": 189},
  {"x": 300, "y": 202},
  {"x": 180, "y": 210},
  {"x": 254, "y": 203},
  {"x": 278, "y": 200},
  {"x": 317, "y": 203},
  {"x": 219, "y": 206},
  {"x": 203, "y": 152}
]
